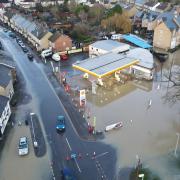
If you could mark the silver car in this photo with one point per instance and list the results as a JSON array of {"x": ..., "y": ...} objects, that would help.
[{"x": 23, "y": 146}]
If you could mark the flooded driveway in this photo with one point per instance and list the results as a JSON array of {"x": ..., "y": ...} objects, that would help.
[{"x": 150, "y": 120}]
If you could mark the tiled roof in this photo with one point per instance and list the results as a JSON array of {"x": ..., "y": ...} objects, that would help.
[
  {"x": 4, "y": 1},
  {"x": 162, "y": 6},
  {"x": 39, "y": 32},
  {"x": 150, "y": 4},
  {"x": 5, "y": 75},
  {"x": 3, "y": 103},
  {"x": 55, "y": 36},
  {"x": 167, "y": 18}
]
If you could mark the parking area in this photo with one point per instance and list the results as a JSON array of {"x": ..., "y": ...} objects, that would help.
[{"x": 12, "y": 165}]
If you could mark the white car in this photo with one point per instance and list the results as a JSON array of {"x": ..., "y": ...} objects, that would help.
[
  {"x": 56, "y": 57},
  {"x": 23, "y": 146}
]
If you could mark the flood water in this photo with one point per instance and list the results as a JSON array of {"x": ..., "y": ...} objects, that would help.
[{"x": 149, "y": 131}]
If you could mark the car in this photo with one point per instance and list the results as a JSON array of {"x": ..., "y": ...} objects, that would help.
[
  {"x": 25, "y": 49},
  {"x": 18, "y": 39},
  {"x": 23, "y": 148},
  {"x": 60, "y": 127},
  {"x": 11, "y": 34},
  {"x": 30, "y": 56},
  {"x": 22, "y": 44},
  {"x": 5, "y": 30},
  {"x": 64, "y": 57},
  {"x": 67, "y": 174}
]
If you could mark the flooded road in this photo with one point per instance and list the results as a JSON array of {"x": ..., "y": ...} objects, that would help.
[{"x": 150, "y": 120}]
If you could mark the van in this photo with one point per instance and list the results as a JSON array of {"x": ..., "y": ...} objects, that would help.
[
  {"x": 116, "y": 36},
  {"x": 46, "y": 53}
]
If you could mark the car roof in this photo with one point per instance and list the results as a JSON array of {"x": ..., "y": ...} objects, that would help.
[
  {"x": 60, "y": 117},
  {"x": 22, "y": 139}
]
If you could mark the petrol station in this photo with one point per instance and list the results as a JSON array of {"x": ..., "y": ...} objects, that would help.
[{"x": 105, "y": 65}]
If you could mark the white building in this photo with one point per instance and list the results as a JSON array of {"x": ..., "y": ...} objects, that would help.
[
  {"x": 5, "y": 113},
  {"x": 105, "y": 46},
  {"x": 145, "y": 67}
]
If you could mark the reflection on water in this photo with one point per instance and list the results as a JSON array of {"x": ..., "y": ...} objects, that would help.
[{"x": 148, "y": 131}]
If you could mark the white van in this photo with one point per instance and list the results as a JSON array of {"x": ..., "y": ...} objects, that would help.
[
  {"x": 56, "y": 57},
  {"x": 116, "y": 36},
  {"x": 46, "y": 53}
]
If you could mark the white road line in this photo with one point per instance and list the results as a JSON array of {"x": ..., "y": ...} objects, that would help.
[
  {"x": 102, "y": 154},
  {"x": 68, "y": 144},
  {"x": 77, "y": 165}
]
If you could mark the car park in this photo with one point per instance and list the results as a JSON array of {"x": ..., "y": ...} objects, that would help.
[
  {"x": 23, "y": 148},
  {"x": 30, "y": 56},
  {"x": 60, "y": 127}
]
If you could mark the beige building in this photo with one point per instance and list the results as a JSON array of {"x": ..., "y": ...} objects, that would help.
[
  {"x": 6, "y": 81},
  {"x": 167, "y": 31},
  {"x": 40, "y": 38}
]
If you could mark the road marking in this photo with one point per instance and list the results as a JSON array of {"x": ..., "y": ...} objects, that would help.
[
  {"x": 77, "y": 165},
  {"x": 68, "y": 144},
  {"x": 102, "y": 154}
]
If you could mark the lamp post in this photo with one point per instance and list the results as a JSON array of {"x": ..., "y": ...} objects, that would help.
[
  {"x": 34, "y": 137},
  {"x": 176, "y": 144},
  {"x": 141, "y": 176}
]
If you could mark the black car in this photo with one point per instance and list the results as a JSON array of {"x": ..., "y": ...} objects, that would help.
[
  {"x": 30, "y": 56},
  {"x": 25, "y": 49},
  {"x": 12, "y": 35}
]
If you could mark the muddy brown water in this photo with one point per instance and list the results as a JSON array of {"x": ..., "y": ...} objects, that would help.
[{"x": 148, "y": 132}]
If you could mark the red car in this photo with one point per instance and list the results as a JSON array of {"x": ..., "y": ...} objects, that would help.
[{"x": 64, "y": 57}]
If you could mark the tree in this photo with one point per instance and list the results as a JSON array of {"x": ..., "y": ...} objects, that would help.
[
  {"x": 119, "y": 23},
  {"x": 115, "y": 10},
  {"x": 173, "y": 90},
  {"x": 96, "y": 13},
  {"x": 80, "y": 8}
]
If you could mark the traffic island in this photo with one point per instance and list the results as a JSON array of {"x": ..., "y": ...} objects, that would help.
[{"x": 36, "y": 135}]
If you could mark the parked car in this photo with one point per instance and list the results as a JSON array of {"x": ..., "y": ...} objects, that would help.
[
  {"x": 60, "y": 123},
  {"x": 23, "y": 148},
  {"x": 67, "y": 174},
  {"x": 30, "y": 56},
  {"x": 22, "y": 44},
  {"x": 64, "y": 57},
  {"x": 11, "y": 34},
  {"x": 25, "y": 49},
  {"x": 5, "y": 30}
]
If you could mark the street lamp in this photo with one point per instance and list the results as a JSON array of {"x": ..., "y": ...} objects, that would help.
[
  {"x": 34, "y": 137},
  {"x": 141, "y": 176},
  {"x": 176, "y": 144}
]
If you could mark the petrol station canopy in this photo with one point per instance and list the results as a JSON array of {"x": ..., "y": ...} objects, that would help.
[{"x": 106, "y": 64}]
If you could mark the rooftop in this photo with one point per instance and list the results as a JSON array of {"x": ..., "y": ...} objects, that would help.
[
  {"x": 108, "y": 45},
  {"x": 137, "y": 41},
  {"x": 5, "y": 75},
  {"x": 143, "y": 55},
  {"x": 55, "y": 36},
  {"x": 167, "y": 18},
  {"x": 106, "y": 64},
  {"x": 3, "y": 103}
]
